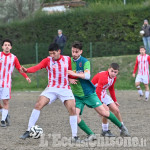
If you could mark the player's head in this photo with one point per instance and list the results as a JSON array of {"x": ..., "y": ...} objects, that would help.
[
  {"x": 142, "y": 50},
  {"x": 113, "y": 70},
  {"x": 54, "y": 51},
  {"x": 76, "y": 49},
  {"x": 6, "y": 46}
]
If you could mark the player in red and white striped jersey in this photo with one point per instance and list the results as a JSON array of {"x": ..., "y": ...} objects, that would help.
[
  {"x": 58, "y": 87},
  {"x": 105, "y": 80},
  {"x": 142, "y": 63},
  {"x": 7, "y": 63}
]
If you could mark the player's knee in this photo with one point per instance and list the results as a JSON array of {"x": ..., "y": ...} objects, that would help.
[
  {"x": 38, "y": 106},
  {"x": 72, "y": 110},
  {"x": 116, "y": 111}
]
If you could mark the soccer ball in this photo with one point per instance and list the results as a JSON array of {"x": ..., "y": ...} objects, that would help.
[
  {"x": 142, "y": 32},
  {"x": 36, "y": 132}
]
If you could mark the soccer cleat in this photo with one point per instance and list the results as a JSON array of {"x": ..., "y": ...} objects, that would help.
[
  {"x": 75, "y": 139},
  {"x": 7, "y": 120},
  {"x": 25, "y": 135},
  {"x": 107, "y": 134},
  {"x": 3, "y": 123},
  {"x": 124, "y": 131},
  {"x": 90, "y": 137}
]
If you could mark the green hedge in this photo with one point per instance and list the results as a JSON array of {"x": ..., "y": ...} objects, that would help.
[{"x": 113, "y": 28}]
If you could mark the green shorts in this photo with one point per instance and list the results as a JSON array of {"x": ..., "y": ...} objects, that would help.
[{"x": 91, "y": 101}]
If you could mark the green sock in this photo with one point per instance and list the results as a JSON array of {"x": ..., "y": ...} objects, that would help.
[
  {"x": 85, "y": 128},
  {"x": 113, "y": 119}
]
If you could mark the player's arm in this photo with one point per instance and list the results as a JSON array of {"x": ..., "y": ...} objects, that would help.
[
  {"x": 83, "y": 75},
  {"x": 41, "y": 65},
  {"x": 95, "y": 79},
  {"x": 112, "y": 92},
  {"x": 18, "y": 66},
  {"x": 135, "y": 68}
]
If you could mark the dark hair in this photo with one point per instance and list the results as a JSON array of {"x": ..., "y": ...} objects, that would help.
[
  {"x": 53, "y": 47},
  {"x": 6, "y": 40},
  {"x": 142, "y": 47},
  {"x": 115, "y": 66},
  {"x": 77, "y": 45}
]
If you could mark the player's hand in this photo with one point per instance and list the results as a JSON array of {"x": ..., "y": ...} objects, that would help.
[
  {"x": 28, "y": 80},
  {"x": 70, "y": 72},
  {"x": 73, "y": 81},
  {"x": 133, "y": 75},
  {"x": 23, "y": 70},
  {"x": 117, "y": 104}
]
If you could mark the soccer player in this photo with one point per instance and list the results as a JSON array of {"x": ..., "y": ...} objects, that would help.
[
  {"x": 106, "y": 80},
  {"x": 7, "y": 63},
  {"x": 84, "y": 92},
  {"x": 58, "y": 87},
  {"x": 142, "y": 63}
]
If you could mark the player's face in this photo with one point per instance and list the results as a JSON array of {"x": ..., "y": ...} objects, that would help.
[
  {"x": 6, "y": 47},
  {"x": 112, "y": 73},
  {"x": 76, "y": 53},
  {"x": 142, "y": 51},
  {"x": 55, "y": 54}
]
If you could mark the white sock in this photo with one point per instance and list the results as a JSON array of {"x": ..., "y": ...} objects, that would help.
[
  {"x": 33, "y": 118},
  {"x": 4, "y": 114},
  {"x": 147, "y": 94},
  {"x": 1, "y": 110},
  {"x": 73, "y": 124},
  {"x": 122, "y": 123},
  {"x": 140, "y": 92},
  {"x": 105, "y": 127}
]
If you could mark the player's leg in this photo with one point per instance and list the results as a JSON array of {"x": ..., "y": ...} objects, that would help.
[
  {"x": 4, "y": 112},
  {"x": 108, "y": 114},
  {"x": 70, "y": 105},
  {"x": 146, "y": 92},
  {"x": 42, "y": 101},
  {"x": 5, "y": 96},
  {"x": 138, "y": 80},
  {"x": 105, "y": 125},
  {"x": 1, "y": 107}
]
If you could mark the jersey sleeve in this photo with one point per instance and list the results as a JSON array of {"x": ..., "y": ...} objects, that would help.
[
  {"x": 18, "y": 66},
  {"x": 41, "y": 65},
  {"x": 148, "y": 59},
  {"x": 99, "y": 83},
  {"x": 112, "y": 91},
  {"x": 95, "y": 80},
  {"x": 70, "y": 68},
  {"x": 136, "y": 65}
]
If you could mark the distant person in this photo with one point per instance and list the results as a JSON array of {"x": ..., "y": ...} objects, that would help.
[
  {"x": 146, "y": 36},
  {"x": 60, "y": 40},
  {"x": 7, "y": 63},
  {"x": 142, "y": 63}
]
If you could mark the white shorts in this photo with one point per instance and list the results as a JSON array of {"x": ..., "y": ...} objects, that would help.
[
  {"x": 142, "y": 78},
  {"x": 57, "y": 93},
  {"x": 107, "y": 100},
  {"x": 5, "y": 93}
]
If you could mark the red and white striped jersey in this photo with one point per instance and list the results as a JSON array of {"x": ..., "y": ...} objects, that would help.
[
  {"x": 7, "y": 64},
  {"x": 57, "y": 71},
  {"x": 142, "y": 63},
  {"x": 102, "y": 81}
]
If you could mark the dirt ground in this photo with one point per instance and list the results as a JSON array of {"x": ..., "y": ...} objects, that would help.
[{"x": 54, "y": 120}]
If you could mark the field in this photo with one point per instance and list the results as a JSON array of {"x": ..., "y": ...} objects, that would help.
[{"x": 55, "y": 121}]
